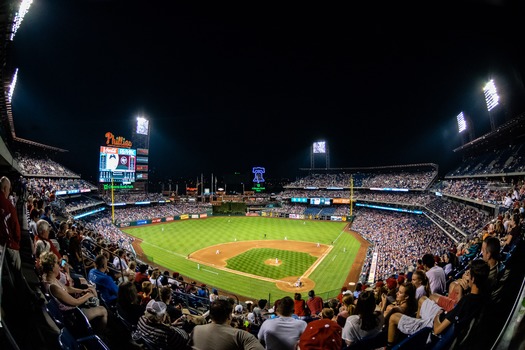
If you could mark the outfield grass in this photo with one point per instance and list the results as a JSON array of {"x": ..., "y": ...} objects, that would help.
[{"x": 169, "y": 244}]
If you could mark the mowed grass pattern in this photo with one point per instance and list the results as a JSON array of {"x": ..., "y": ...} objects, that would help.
[
  {"x": 169, "y": 245},
  {"x": 253, "y": 261}
]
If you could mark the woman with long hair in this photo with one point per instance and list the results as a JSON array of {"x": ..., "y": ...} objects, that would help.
[
  {"x": 420, "y": 281},
  {"x": 366, "y": 322}
]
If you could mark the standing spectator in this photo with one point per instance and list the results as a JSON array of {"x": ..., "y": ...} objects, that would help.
[
  {"x": 315, "y": 303},
  {"x": 219, "y": 335},
  {"x": 10, "y": 233},
  {"x": 435, "y": 274},
  {"x": 283, "y": 332}
]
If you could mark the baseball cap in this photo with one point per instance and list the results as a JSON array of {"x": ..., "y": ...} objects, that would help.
[
  {"x": 157, "y": 308},
  {"x": 321, "y": 334},
  {"x": 238, "y": 308}
]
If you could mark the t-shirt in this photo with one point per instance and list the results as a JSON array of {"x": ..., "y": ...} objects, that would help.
[
  {"x": 315, "y": 305},
  {"x": 352, "y": 330},
  {"x": 281, "y": 333},
  {"x": 222, "y": 337},
  {"x": 437, "y": 280}
]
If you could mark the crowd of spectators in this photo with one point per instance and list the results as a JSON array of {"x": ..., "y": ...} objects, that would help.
[
  {"x": 32, "y": 165},
  {"x": 391, "y": 179}
]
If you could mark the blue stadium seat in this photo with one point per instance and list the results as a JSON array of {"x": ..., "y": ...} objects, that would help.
[
  {"x": 67, "y": 341},
  {"x": 417, "y": 340}
]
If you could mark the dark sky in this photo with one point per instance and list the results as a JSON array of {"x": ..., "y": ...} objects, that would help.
[{"x": 229, "y": 88}]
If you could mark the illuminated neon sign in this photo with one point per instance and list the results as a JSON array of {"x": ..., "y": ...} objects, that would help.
[{"x": 258, "y": 174}]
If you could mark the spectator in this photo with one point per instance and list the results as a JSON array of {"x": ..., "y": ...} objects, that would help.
[
  {"x": 322, "y": 334},
  {"x": 47, "y": 215},
  {"x": 366, "y": 323},
  {"x": 174, "y": 313},
  {"x": 283, "y": 332},
  {"x": 347, "y": 309},
  {"x": 128, "y": 305},
  {"x": 154, "y": 327},
  {"x": 420, "y": 281},
  {"x": 219, "y": 335},
  {"x": 69, "y": 297},
  {"x": 299, "y": 306},
  {"x": 106, "y": 286},
  {"x": 10, "y": 233},
  {"x": 431, "y": 315},
  {"x": 435, "y": 274},
  {"x": 314, "y": 303}
]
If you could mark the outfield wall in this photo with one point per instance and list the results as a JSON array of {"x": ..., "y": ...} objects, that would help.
[{"x": 210, "y": 213}]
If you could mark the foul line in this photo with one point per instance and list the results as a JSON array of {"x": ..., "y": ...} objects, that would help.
[{"x": 167, "y": 251}]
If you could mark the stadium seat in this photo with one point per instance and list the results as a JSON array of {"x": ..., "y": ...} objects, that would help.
[
  {"x": 373, "y": 342},
  {"x": 67, "y": 341},
  {"x": 417, "y": 340},
  {"x": 74, "y": 320}
]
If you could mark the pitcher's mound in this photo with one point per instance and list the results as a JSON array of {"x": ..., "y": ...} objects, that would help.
[
  {"x": 288, "y": 284},
  {"x": 273, "y": 262}
]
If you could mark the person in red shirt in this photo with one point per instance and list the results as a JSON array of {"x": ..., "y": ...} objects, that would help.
[
  {"x": 315, "y": 304},
  {"x": 10, "y": 233},
  {"x": 299, "y": 306}
]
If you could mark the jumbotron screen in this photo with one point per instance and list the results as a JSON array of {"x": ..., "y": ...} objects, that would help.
[{"x": 117, "y": 164}]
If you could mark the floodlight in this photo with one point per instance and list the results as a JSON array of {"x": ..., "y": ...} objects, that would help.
[
  {"x": 19, "y": 16},
  {"x": 491, "y": 95},
  {"x": 462, "y": 123},
  {"x": 319, "y": 147},
  {"x": 12, "y": 86},
  {"x": 142, "y": 126}
]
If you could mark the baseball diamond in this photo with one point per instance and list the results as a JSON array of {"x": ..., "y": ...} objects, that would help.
[{"x": 255, "y": 268}]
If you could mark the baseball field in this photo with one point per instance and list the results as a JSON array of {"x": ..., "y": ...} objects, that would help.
[{"x": 255, "y": 257}]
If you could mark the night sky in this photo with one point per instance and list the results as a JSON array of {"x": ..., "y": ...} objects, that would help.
[{"x": 227, "y": 88}]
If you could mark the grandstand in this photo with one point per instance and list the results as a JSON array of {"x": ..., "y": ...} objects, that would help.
[{"x": 401, "y": 211}]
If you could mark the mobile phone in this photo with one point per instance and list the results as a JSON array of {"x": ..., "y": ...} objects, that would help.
[{"x": 63, "y": 262}]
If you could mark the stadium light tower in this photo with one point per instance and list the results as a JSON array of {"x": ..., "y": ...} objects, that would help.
[
  {"x": 464, "y": 126},
  {"x": 492, "y": 100},
  {"x": 141, "y": 135},
  {"x": 319, "y": 148}
]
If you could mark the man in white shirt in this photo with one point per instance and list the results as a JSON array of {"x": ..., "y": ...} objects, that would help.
[
  {"x": 283, "y": 332},
  {"x": 436, "y": 275}
]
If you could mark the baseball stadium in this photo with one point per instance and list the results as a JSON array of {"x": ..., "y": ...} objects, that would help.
[{"x": 394, "y": 256}]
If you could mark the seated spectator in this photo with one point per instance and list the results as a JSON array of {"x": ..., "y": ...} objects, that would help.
[
  {"x": 219, "y": 335},
  {"x": 145, "y": 293},
  {"x": 322, "y": 334},
  {"x": 282, "y": 332},
  {"x": 141, "y": 276},
  {"x": 69, "y": 297},
  {"x": 431, "y": 314},
  {"x": 366, "y": 322},
  {"x": 347, "y": 309},
  {"x": 105, "y": 284},
  {"x": 420, "y": 281},
  {"x": 314, "y": 303},
  {"x": 42, "y": 241},
  {"x": 128, "y": 304},
  {"x": 435, "y": 274},
  {"x": 405, "y": 302},
  {"x": 299, "y": 306},
  {"x": 174, "y": 312},
  {"x": 130, "y": 272},
  {"x": 154, "y": 327}
]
